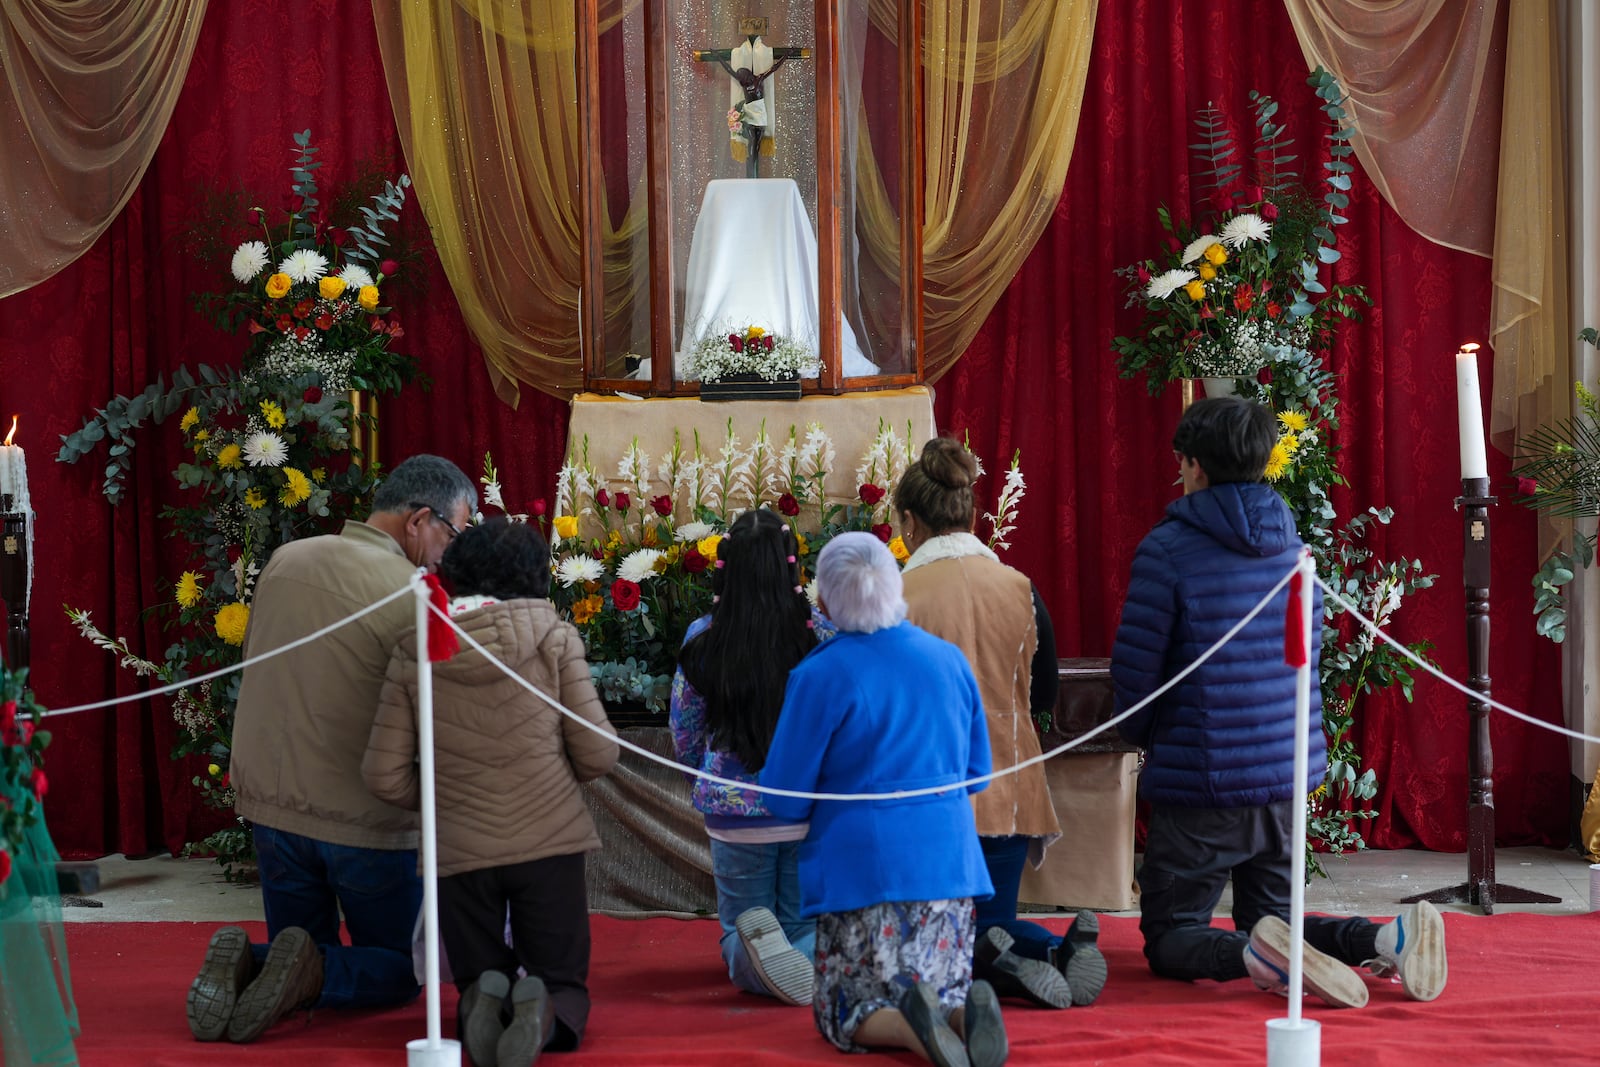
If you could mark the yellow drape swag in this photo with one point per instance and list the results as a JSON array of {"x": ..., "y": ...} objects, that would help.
[
  {"x": 485, "y": 95},
  {"x": 88, "y": 89},
  {"x": 1439, "y": 136}
]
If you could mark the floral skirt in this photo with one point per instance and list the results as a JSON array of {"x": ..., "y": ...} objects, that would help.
[{"x": 867, "y": 959}]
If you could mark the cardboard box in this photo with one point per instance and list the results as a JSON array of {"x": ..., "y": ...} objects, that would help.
[{"x": 1092, "y": 865}]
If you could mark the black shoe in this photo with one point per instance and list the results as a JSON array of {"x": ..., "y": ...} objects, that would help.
[
  {"x": 532, "y": 1017},
  {"x": 920, "y": 1007},
  {"x": 290, "y": 979},
  {"x": 1012, "y": 975},
  {"x": 481, "y": 1024},
  {"x": 985, "y": 1029},
  {"x": 223, "y": 976},
  {"x": 1078, "y": 957}
]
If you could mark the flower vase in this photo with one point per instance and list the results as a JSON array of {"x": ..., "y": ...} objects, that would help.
[{"x": 1221, "y": 386}]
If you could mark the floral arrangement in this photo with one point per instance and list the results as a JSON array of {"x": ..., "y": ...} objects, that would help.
[
  {"x": 269, "y": 443},
  {"x": 632, "y": 554},
  {"x": 720, "y": 354},
  {"x": 1558, "y": 470},
  {"x": 1240, "y": 284},
  {"x": 22, "y": 779}
]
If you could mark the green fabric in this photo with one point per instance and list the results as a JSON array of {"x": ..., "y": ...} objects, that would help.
[{"x": 38, "y": 1018}]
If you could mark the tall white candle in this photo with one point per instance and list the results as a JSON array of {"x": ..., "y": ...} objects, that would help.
[
  {"x": 13, "y": 471},
  {"x": 1469, "y": 414}
]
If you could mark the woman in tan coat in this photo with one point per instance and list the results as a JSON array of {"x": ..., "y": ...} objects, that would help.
[
  {"x": 513, "y": 828},
  {"x": 956, "y": 588}
]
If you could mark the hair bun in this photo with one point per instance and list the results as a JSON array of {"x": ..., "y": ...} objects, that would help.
[{"x": 948, "y": 464}]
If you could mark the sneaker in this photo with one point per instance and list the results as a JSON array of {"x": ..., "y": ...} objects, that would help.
[
  {"x": 1079, "y": 958},
  {"x": 291, "y": 978},
  {"x": 785, "y": 971},
  {"x": 227, "y": 969},
  {"x": 482, "y": 1006},
  {"x": 1013, "y": 975},
  {"x": 532, "y": 1017},
  {"x": 1267, "y": 959},
  {"x": 1413, "y": 947},
  {"x": 985, "y": 1029},
  {"x": 923, "y": 1014}
]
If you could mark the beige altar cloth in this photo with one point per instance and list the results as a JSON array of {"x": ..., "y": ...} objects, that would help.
[{"x": 852, "y": 422}]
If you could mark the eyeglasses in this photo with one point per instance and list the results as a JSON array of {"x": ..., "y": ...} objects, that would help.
[{"x": 454, "y": 531}]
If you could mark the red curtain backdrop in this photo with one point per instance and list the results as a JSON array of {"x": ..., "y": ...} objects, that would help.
[{"x": 1039, "y": 377}]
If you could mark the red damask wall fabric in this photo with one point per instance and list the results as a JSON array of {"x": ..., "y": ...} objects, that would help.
[{"x": 1039, "y": 377}]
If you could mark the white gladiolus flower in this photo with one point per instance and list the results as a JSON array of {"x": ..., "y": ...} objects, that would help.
[
  {"x": 1164, "y": 285},
  {"x": 248, "y": 260},
  {"x": 640, "y": 565},
  {"x": 265, "y": 450},
  {"x": 693, "y": 531},
  {"x": 304, "y": 265},
  {"x": 356, "y": 276},
  {"x": 1197, "y": 248},
  {"x": 1246, "y": 227},
  {"x": 575, "y": 570}
]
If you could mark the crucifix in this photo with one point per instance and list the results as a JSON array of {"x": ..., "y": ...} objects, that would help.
[{"x": 752, "y": 119}]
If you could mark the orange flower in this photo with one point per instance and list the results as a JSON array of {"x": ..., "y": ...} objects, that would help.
[{"x": 586, "y": 609}]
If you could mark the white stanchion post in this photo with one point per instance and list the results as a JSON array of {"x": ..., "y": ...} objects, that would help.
[
  {"x": 1294, "y": 1041},
  {"x": 433, "y": 1050}
]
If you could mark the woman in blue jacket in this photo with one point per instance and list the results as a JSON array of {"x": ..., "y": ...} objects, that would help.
[{"x": 891, "y": 882}]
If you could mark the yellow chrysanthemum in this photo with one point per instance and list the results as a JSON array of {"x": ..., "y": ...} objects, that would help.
[
  {"x": 255, "y": 498},
  {"x": 1207, "y": 272},
  {"x": 278, "y": 286},
  {"x": 330, "y": 287},
  {"x": 898, "y": 546},
  {"x": 587, "y": 608},
  {"x": 1292, "y": 420},
  {"x": 1278, "y": 462},
  {"x": 191, "y": 418},
  {"x": 188, "y": 592},
  {"x": 804, "y": 548},
  {"x": 318, "y": 474},
  {"x": 230, "y": 622},
  {"x": 673, "y": 554},
  {"x": 202, "y": 436},
  {"x": 707, "y": 546},
  {"x": 273, "y": 414},
  {"x": 566, "y": 526},
  {"x": 1216, "y": 255},
  {"x": 229, "y": 457},
  {"x": 1290, "y": 442},
  {"x": 368, "y": 298},
  {"x": 296, "y": 488},
  {"x": 1196, "y": 290}
]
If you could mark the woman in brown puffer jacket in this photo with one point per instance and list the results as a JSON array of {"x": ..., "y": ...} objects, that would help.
[{"x": 513, "y": 828}]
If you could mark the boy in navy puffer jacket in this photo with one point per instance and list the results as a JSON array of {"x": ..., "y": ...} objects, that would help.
[{"x": 1219, "y": 770}]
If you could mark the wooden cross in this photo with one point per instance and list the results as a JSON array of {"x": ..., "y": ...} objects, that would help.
[{"x": 753, "y": 84}]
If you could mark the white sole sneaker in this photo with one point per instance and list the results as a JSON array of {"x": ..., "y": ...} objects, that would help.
[
  {"x": 1423, "y": 968},
  {"x": 1327, "y": 978},
  {"x": 785, "y": 971}
]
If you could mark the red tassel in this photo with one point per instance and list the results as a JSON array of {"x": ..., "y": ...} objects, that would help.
[
  {"x": 1294, "y": 632},
  {"x": 442, "y": 641}
]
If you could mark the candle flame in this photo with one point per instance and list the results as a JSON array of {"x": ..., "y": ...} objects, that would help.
[
  {"x": 13, "y": 432},
  {"x": 1471, "y": 346}
]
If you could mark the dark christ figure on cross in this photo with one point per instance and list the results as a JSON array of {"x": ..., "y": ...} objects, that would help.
[{"x": 751, "y": 121}]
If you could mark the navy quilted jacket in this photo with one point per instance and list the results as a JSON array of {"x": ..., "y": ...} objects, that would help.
[{"x": 1224, "y": 736}]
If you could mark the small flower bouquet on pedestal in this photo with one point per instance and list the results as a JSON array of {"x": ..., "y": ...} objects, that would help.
[{"x": 750, "y": 364}]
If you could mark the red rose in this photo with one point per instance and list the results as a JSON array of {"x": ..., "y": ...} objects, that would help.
[
  {"x": 5, "y": 865},
  {"x": 1269, "y": 211},
  {"x": 537, "y": 507},
  {"x": 883, "y": 531},
  {"x": 736, "y": 342},
  {"x": 313, "y": 395},
  {"x": 662, "y": 505},
  {"x": 602, "y": 498},
  {"x": 1144, "y": 275},
  {"x": 694, "y": 562},
  {"x": 1253, "y": 194},
  {"x": 388, "y": 268},
  {"x": 767, "y": 340},
  {"x": 41, "y": 784},
  {"x": 1525, "y": 486},
  {"x": 625, "y": 594},
  {"x": 226, "y": 778},
  {"x": 788, "y": 504},
  {"x": 870, "y": 495},
  {"x": 622, "y": 501},
  {"x": 324, "y": 321}
]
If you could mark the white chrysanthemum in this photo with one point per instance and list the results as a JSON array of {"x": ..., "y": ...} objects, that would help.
[
  {"x": 577, "y": 569},
  {"x": 811, "y": 592},
  {"x": 304, "y": 265},
  {"x": 356, "y": 276},
  {"x": 1197, "y": 248},
  {"x": 248, "y": 260},
  {"x": 1164, "y": 285},
  {"x": 1246, "y": 227},
  {"x": 693, "y": 531},
  {"x": 265, "y": 450},
  {"x": 640, "y": 565}
]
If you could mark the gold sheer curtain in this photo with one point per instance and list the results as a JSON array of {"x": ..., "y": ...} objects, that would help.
[
  {"x": 1442, "y": 122},
  {"x": 89, "y": 87},
  {"x": 485, "y": 98}
]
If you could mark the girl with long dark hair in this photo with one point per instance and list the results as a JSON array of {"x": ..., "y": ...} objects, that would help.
[{"x": 725, "y": 702}]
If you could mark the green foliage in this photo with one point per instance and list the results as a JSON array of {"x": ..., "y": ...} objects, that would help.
[{"x": 22, "y": 745}]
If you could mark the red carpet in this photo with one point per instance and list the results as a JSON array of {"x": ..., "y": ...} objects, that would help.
[{"x": 1523, "y": 990}]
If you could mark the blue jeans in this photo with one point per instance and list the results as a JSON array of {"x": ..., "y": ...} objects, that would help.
[
  {"x": 306, "y": 883},
  {"x": 1004, "y": 856},
  {"x": 758, "y": 876}
]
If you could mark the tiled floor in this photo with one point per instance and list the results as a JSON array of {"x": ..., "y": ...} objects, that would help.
[{"x": 1369, "y": 883}]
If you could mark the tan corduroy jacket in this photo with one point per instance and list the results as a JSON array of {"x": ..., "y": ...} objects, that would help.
[
  {"x": 304, "y": 717},
  {"x": 956, "y": 589},
  {"x": 507, "y": 765}
]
